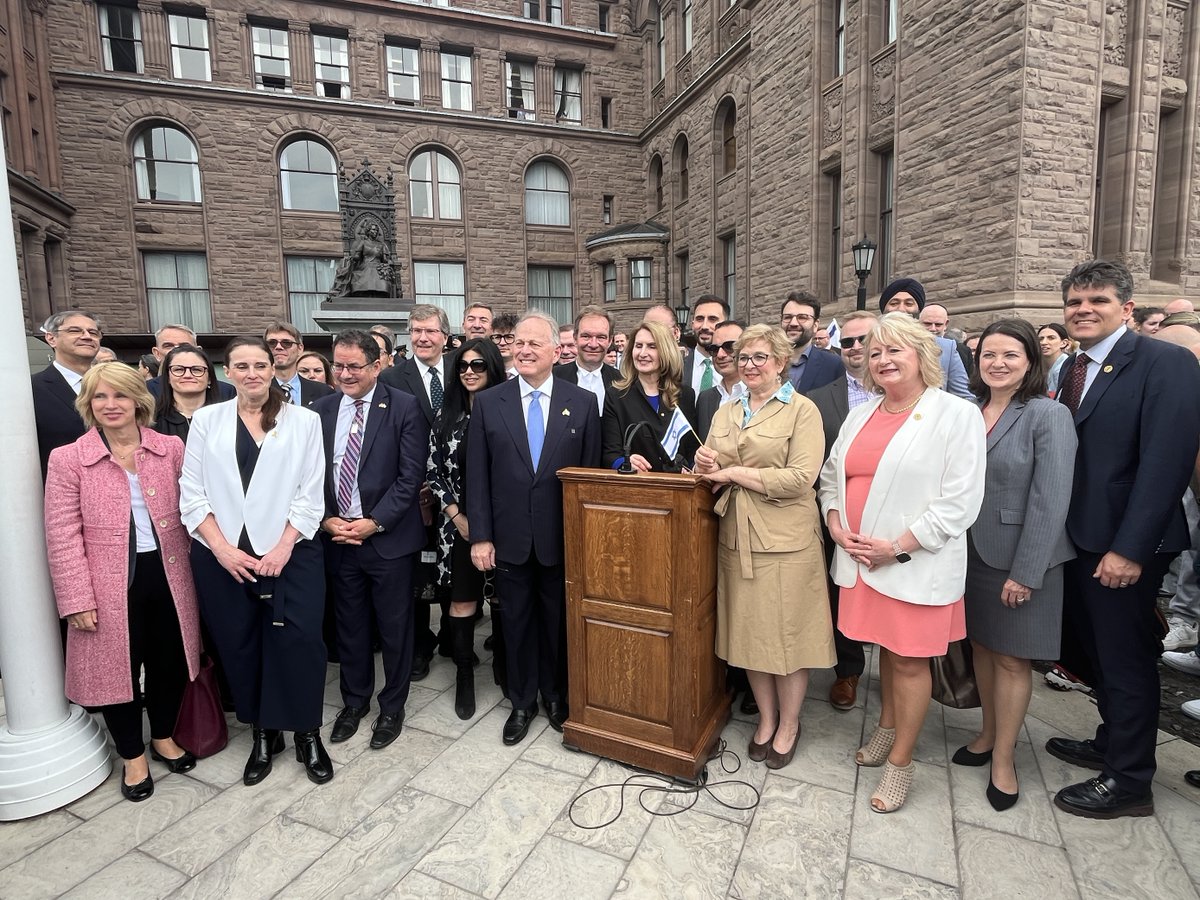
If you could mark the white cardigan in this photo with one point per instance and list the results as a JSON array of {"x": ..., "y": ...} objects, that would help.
[
  {"x": 930, "y": 482},
  {"x": 288, "y": 483}
]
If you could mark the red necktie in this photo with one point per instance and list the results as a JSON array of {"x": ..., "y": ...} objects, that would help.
[{"x": 1072, "y": 392}]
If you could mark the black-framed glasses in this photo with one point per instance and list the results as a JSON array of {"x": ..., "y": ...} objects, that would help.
[
  {"x": 284, "y": 343},
  {"x": 848, "y": 342},
  {"x": 503, "y": 338},
  {"x": 758, "y": 360},
  {"x": 352, "y": 368},
  {"x": 714, "y": 349},
  {"x": 194, "y": 371},
  {"x": 478, "y": 366}
]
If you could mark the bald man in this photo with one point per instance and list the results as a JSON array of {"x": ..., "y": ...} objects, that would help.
[{"x": 1178, "y": 306}]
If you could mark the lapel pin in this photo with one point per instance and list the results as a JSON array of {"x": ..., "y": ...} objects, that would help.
[
  {"x": 382, "y": 405},
  {"x": 566, "y": 412},
  {"x": 1108, "y": 368},
  {"x": 917, "y": 416}
]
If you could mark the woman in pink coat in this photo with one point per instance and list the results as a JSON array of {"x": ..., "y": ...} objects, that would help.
[{"x": 119, "y": 562}]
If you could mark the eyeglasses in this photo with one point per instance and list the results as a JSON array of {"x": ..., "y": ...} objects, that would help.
[
  {"x": 283, "y": 343},
  {"x": 503, "y": 338},
  {"x": 352, "y": 368},
  {"x": 478, "y": 366},
  {"x": 798, "y": 317},
  {"x": 714, "y": 349},
  {"x": 848, "y": 342},
  {"x": 423, "y": 332},
  {"x": 75, "y": 331},
  {"x": 194, "y": 371},
  {"x": 758, "y": 360}
]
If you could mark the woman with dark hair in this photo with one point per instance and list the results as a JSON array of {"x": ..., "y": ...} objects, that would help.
[
  {"x": 649, "y": 391},
  {"x": 315, "y": 367},
  {"x": 478, "y": 365},
  {"x": 1054, "y": 347},
  {"x": 188, "y": 383},
  {"x": 1018, "y": 544},
  {"x": 252, "y": 494}
]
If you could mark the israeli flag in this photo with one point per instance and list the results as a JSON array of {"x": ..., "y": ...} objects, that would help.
[
  {"x": 676, "y": 429},
  {"x": 835, "y": 334}
]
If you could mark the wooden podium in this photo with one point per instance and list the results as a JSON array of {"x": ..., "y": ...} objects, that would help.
[{"x": 646, "y": 685}]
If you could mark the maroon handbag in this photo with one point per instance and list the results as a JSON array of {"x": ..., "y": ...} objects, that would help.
[{"x": 201, "y": 727}]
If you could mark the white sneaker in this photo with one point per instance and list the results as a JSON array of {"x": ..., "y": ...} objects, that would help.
[
  {"x": 1182, "y": 636},
  {"x": 1183, "y": 662},
  {"x": 1191, "y": 708}
]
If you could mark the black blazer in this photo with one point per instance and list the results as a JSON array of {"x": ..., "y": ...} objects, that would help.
[
  {"x": 623, "y": 408},
  {"x": 833, "y": 403},
  {"x": 508, "y": 503},
  {"x": 225, "y": 390},
  {"x": 406, "y": 377},
  {"x": 1138, "y": 428},
  {"x": 391, "y": 468},
  {"x": 569, "y": 372},
  {"x": 312, "y": 391},
  {"x": 55, "y": 418}
]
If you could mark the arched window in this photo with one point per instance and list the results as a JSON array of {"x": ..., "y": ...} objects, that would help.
[
  {"x": 308, "y": 176},
  {"x": 727, "y": 127},
  {"x": 434, "y": 186},
  {"x": 656, "y": 182},
  {"x": 547, "y": 195},
  {"x": 681, "y": 168},
  {"x": 166, "y": 165}
]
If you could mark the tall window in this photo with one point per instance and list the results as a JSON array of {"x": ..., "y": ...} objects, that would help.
[
  {"x": 602, "y": 16},
  {"x": 548, "y": 10},
  {"x": 608, "y": 272},
  {"x": 568, "y": 95},
  {"x": 606, "y": 119},
  {"x": 835, "y": 234},
  {"x": 435, "y": 186},
  {"x": 727, "y": 117},
  {"x": 404, "y": 74},
  {"x": 890, "y": 21},
  {"x": 729, "y": 268},
  {"x": 166, "y": 166},
  {"x": 639, "y": 279},
  {"x": 443, "y": 284},
  {"x": 309, "y": 280},
  {"x": 190, "y": 56},
  {"x": 121, "y": 37},
  {"x": 518, "y": 79},
  {"x": 887, "y": 178},
  {"x": 681, "y": 169},
  {"x": 308, "y": 175},
  {"x": 660, "y": 43},
  {"x": 177, "y": 290},
  {"x": 606, "y": 209},
  {"x": 547, "y": 195},
  {"x": 687, "y": 26},
  {"x": 839, "y": 38},
  {"x": 331, "y": 56},
  {"x": 456, "y": 81},
  {"x": 550, "y": 291},
  {"x": 1101, "y": 167},
  {"x": 272, "y": 65},
  {"x": 656, "y": 182},
  {"x": 685, "y": 277}
]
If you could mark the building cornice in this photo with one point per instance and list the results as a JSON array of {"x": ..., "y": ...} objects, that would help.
[
  {"x": 697, "y": 89},
  {"x": 19, "y": 184}
]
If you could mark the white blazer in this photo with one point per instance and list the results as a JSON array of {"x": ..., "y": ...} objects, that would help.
[
  {"x": 930, "y": 482},
  {"x": 288, "y": 481}
]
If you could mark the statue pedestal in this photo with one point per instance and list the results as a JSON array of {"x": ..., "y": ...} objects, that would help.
[{"x": 363, "y": 312}]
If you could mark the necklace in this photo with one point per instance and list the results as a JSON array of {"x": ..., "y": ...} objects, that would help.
[
  {"x": 128, "y": 453},
  {"x": 896, "y": 412}
]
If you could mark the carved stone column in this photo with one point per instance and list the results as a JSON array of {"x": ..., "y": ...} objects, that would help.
[
  {"x": 155, "y": 43},
  {"x": 301, "y": 49},
  {"x": 430, "y": 67},
  {"x": 543, "y": 84}
]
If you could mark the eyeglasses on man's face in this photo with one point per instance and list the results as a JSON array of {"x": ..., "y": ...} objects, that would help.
[
  {"x": 194, "y": 371},
  {"x": 75, "y": 331},
  {"x": 503, "y": 338},
  {"x": 352, "y": 368}
]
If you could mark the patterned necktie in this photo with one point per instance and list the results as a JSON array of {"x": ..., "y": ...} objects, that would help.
[
  {"x": 706, "y": 379},
  {"x": 1072, "y": 392},
  {"x": 286, "y": 387},
  {"x": 436, "y": 394},
  {"x": 348, "y": 474},
  {"x": 536, "y": 427}
]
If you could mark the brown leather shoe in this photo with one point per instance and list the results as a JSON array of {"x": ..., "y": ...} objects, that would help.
[{"x": 844, "y": 693}]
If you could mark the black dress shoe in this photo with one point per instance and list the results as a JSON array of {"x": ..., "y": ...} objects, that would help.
[
  {"x": 179, "y": 764},
  {"x": 311, "y": 752},
  {"x": 489, "y": 642},
  {"x": 1077, "y": 753},
  {"x": 1192, "y": 777},
  {"x": 517, "y": 725},
  {"x": 999, "y": 799},
  {"x": 965, "y": 756},
  {"x": 386, "y": 729},
  {"x": 136, "y": 793},
  {"x": 557, "y": 713},
  {"x": 420, "y": 667},
  {"x": 347, "y": 723},
  {"x": 1102, "y": 798},
  {"x": 749, "y": 705},
  {"x": 266, "y": 743}
]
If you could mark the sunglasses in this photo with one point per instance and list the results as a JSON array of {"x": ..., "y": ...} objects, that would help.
[
  {"x": 713, "y": 349},
  {"x": 281, "y": 342},
  {"x": 478, "y": 366},
  {"x": 848, "y": 342}
]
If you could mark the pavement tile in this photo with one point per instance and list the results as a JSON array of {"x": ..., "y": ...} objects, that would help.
[
  {"x": 135, "y": 876},
  {"x": 629, "y": 809},
  {"x": 1002, "y": 865},
  {"x": 692, "y": 855},
  {"x": 867, "y": 881},
  {"x": 557, "y": 868}
]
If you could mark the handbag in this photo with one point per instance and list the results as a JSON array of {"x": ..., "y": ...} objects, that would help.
[
  {"x": 201, "y": 727},
  {"x": 953, "y": 677}
]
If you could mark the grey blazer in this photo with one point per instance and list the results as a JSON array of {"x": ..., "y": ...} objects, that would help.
[{"x": 1021, "y": 527}]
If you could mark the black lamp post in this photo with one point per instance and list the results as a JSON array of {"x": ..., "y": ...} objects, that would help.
[
  {"x": 864, "y": 260},
  {"x": 683, "y": 314}
]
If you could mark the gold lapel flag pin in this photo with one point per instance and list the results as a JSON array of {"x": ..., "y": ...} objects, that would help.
[{"x": 1107, "y": 369}]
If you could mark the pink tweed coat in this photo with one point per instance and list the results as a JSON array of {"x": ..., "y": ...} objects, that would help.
[{"x": 87, "y": 540}]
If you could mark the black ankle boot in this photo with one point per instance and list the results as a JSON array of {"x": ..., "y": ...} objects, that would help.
[
  {"x": 265, "y": 744},
  {"x": 311, "y": 752},
  {"x": 462, "y": 633}
]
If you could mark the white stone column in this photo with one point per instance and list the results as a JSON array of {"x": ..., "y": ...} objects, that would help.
[{"x": 51, "y": 752}]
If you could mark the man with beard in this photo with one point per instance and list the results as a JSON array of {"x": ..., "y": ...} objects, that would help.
[
  {"x": 799, "y": 317},
  {"x": 699, "y": 372},
  {"x": 907, "y": 295}
]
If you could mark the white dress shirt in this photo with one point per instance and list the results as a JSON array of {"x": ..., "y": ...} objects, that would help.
[
  {"x": 1097, "y": 355},
  {"x": 736, "y": 393},
  {"x": 544, "y": 400},
  {"x": 592, "y": 381},
  {"x": 697, "y": 373},
  {"x": 74, "y": 379},
  {"x": 341, "y": 436}
]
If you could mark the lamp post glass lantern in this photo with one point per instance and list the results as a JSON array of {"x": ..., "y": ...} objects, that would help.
[
  {"x": 864, "y": 261},
  {"x": 683, "y": 314}
]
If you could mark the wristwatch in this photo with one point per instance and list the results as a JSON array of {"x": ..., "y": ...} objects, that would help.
[
  {"x": 901, "y": 556},
  {"x": 378, "y": 527}
]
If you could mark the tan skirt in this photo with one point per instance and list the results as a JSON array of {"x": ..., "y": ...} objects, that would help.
[{"x": 779, "y": 620}]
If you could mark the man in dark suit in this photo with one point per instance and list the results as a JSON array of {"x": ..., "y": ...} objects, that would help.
[
  {"x": 74, "y": 336},
  {"x": 286, "y": 345},
  {"x": 811, "y": 367},
  {"x": 729, "y": 385},
  {"x": 834, "y": 401},
  {"x": 521, "y": 433},
  {"x": 699, "y": 369},
  {"x": 1136, "y": 404},
  {"x": 593, "y": 335},
  {"x": 376, "y": 445}
]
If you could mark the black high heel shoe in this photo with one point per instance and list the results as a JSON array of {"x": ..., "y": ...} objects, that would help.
[
  {"x": 311, "y": 752},
  {"x": 179, "y": 764},
  {"x": 267, "y": 742},
  {"x": 1001, "y": 801},
  {"x": 964, "y": 756},
  {"x": 136, "y": 793}
]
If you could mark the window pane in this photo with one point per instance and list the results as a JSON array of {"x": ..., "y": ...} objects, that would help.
[
  {"x": 568, "y": 95},
  {"x": 165, "y": 166},
  {"x": 177, "y": 290},
  {"x": 442, "y": 284},
  {"x": 121, "y": 36},
  {"x": 519, "y": 90},
  {"x": 307, "y": 175},
  {"x": 404, "y": 82},
  {"x": 550, "y": 290},
  {"x": 309, "y": 280}
]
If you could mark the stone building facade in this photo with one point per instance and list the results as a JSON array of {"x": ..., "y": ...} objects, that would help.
[{"x": 562, "y": 152}]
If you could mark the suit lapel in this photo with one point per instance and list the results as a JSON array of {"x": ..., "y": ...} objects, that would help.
[
  {"x": 376, "y": 420},
  {"x": 329, "y": 416},
  {"x": 1007, "y": 420},
  {"x": 1117, "y": 359},
  {"x": 561, "y": 414},
  {"x": 62, "y": 390},
  {"x": 416, "y": 387},
  {"x": 514, "y": 418},
  {"x": 841, "y": 400}
]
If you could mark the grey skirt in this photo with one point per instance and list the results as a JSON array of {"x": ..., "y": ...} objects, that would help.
[{"x": 1031, "y": 631}]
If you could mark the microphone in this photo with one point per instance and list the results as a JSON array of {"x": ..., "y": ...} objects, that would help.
[{"x": 630, "y": 433}]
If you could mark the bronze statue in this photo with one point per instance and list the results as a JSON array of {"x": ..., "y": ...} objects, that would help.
[{"x": 367, "y": 270}]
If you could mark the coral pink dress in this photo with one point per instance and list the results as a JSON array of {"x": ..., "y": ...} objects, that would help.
[{"x": 864, "y": 614}]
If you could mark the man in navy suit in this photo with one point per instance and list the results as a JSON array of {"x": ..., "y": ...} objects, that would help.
[
  {"x": 376, "y": 445},
  {"x": 1136, "y": 404},
  {"x": 811, "y": 367},
  {"x": 74, "y": 336},
  {"x": 521, "y": 433}
]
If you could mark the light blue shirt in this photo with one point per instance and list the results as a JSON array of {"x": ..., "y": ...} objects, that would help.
[
  {"x": 293, "y": 386},
  {"x": 783, "y": 395}
]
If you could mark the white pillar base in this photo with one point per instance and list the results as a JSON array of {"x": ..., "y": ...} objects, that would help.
[{"x": 48, "y": 769}]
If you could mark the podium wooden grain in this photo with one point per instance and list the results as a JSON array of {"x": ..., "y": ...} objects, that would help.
[{"x": 646, "y": 687}]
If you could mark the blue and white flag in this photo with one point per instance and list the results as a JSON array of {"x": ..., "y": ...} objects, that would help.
[
  {"x": 835, "y": 334},
  {"x": 676, "y": 429}
]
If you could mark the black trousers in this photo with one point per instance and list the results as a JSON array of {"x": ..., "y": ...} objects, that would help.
[
  {"x": 366, "y": 583},
  {"x": 276, "y": 671},
  {"x": 156, "y": 643},
  {"x": 1117, "y": 630},
  {"x": 851, "y": 658},
  {"x": 535, "y": 630}
]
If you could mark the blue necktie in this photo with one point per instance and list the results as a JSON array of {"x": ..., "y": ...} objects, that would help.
[{"x": 536, "y": 428}]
